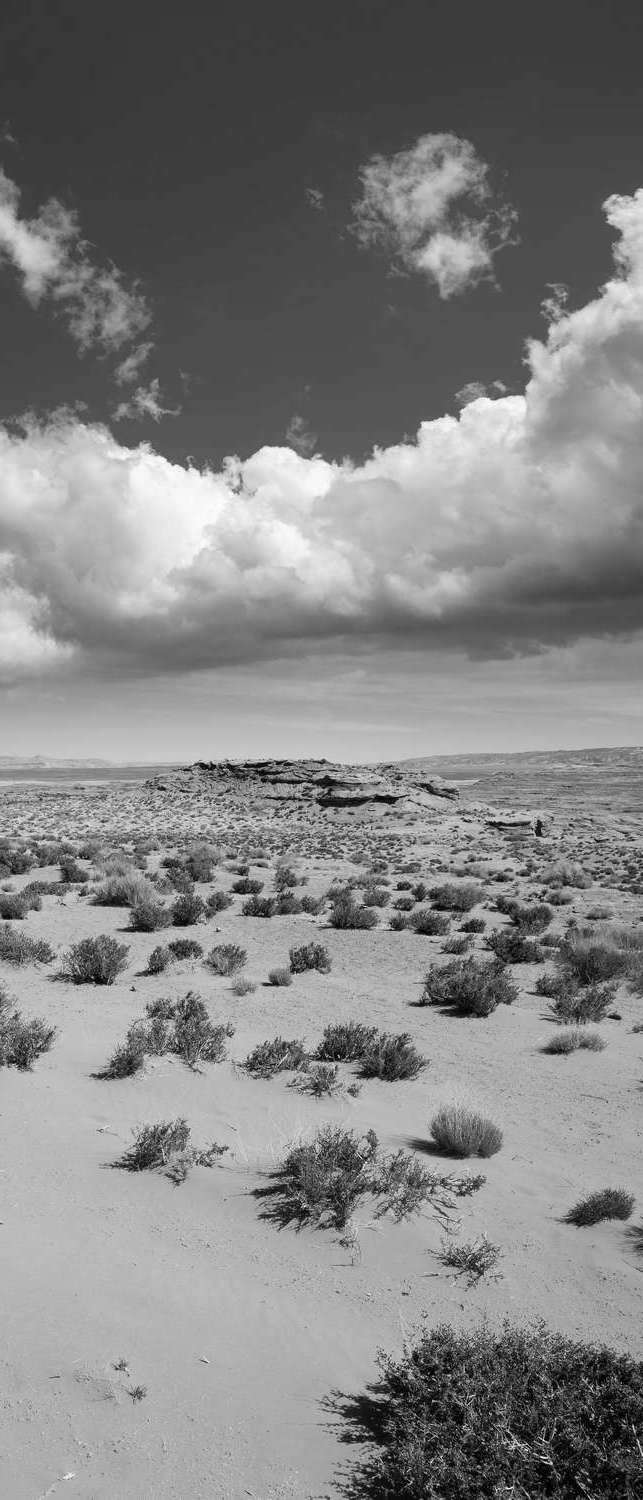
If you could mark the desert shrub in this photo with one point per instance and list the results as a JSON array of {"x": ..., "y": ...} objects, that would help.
[
  {"x": 185, "y": 948},
  {"x": 374, "y": 895},
  {"x": 218, "y": 901},
  {"x": 310, "y": 956},
  {"x": 519, "y": 1411},
  {"x": 591, "y": 961},
  {"x": 456, "y": 945},
  {"x": 158, "y": 960},
  {"x": 531, "y": 919},
  {"x": 419, "y": 891},
  {"x": 404, "y": 903},
  {"x": 246, "y": 887},
  {"x": 188, "y": 909},
  {"x": 577, "y": 1006},
  {"x": 22, "y": 1042},
  {"x": 391, "y": 1058},
  {"x": 312, "y": 905},
  {"x": 322, "y": 1080},
  {"x": 327, "y": 1176},
  {"x": 469, "y": 986},
  {"x": 128, "y": 1057},
  {"x": 148, "y": 916},
  {"x": 452, "y": 897},
  {"x": 200, "y": 862},
  {"x": 287, "y": 905},
  {"x": 403, "y": 885},
  {"x": 96, "y": 960},
  {"x": 285, "y": 878},
  {"x": 13, "y": 907},
  {"x": 243, "y": 987},
  {"x": 511, "y": 947},
  {"x": 195, "y": 1038},
  {"x": 474, "y": 1259},
  {"x": 18, "y": 948},
  {"x": 346, "y": 914},
  {"x": 277, "y": 1056},
  {"x": 555, "y": 982},
  {"x": 259, "y": 906},
  {"x": 428, "y": 923},
  {"x": 125, "y": 888},
  {"x": 473, "y": 924},
  {"x": 565, "y": 872},
  {"x": 399, "y": 922},
  {"x": 345, "y": 1041},
  {"x": 607, "y": 1203},
  {"x": 226, "y": 959},
  {"x": 572, "y": 1038},
  {"x": 599, "y": 913},
  {"x": 280, "y": 977},
  {"x": 166, "y": 1147},
  {"x": 71, "y": 873},
  {"x": 462, "y": 1132}
]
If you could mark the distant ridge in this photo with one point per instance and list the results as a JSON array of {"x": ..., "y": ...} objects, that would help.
[{"x": 47, "y": 763}]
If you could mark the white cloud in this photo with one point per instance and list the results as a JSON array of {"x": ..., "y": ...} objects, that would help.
[
  {"x": 53, "y": 261},
  {"x": 300, "y": 436},
  {"x": 474, "y": 389},
  {"x": 430, "y": 207},
  {"x": 145, "y": 401},
  {"x": 128, "y": 369},
  {"x": 514, "y": 527}
]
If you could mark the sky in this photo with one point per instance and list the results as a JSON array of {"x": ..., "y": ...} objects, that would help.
[{"x": 321, "y": 393}]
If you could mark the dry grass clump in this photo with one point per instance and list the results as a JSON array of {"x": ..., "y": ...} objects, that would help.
[
  {"x": 96, "y": 960},
  {"x": 573, "y": 1039},
  {"x": 243, "y": 986},
  {"x": 277, "y": 1056},
  {"x": 226, "y": 959},
  {"x": 280, "y": 978},
  {"x": 322, "y": 1080},
  {"x": 166, "y": 1147},
  {"x": 346, "y": 1041},
  {"x": 310, "y": 956},
  {"x": 469, "y": 987},
  {"x": 391, "y": 1058},
  {"x": 18, "y": 948},
  {"x": 22, "y": 1042},
  {"x": 514, "y": 1412},
  {"x": 462, "y": 1132},
  {"x": 125, "y": 887},
  {"x": 607, "y": 1203},
  {"x": 474, "y": 1259}
]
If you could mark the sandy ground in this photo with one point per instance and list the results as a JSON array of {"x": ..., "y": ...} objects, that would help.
[{"x": 245, "y": 1335}]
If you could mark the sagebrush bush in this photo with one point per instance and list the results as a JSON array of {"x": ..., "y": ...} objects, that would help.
[
  {"x": 246, "y": 887},
  {"x": 166, "y": 1146},
  {"x": 576, "y": 1007},
  {"x": 287, "y": 905},
  {"x": 512, "y": 947},
  {"x": 188, "y": 909},
  {"x": 607, "y": 1203},
  {"x": 312, "y": 905},
  {"x": 125, "y": 887},
  {"x": 243, "y": 987},
  {"x": 457, "y": 945},
  {"x": 428, "y": 923},
  {"x": 226, "y": 959},
  {"x": 474, "y": 1259},
  {"x": 375, "y": 895},
  {"x": 345, "y": 1041},
  {"x": 158, "y": 960},
  {"x": 13, "y": 907},
  {"x": 469, "y": 986},
  {"x": 572, "y": 1039},
  {"x": 519, "y": 1411},
  {"x": 259, "y": 906},
  {"x": 18, "y": 948},
  {"x": 473, "y": 924},
  {"x": 462, "y": 1132},
  {"x": 185, "y": 948},
  {"x": 310, "y": 956},
  {"x": 22, "y": 1042},
  {"x": 96, "y": 960},
  {"x": 456, "y": 897},
  {"x": 280, "y": 978},
  {"x": 148, "y": 916},
  {"x": 218, "y": 901},
  {"x": 277, "y": 1056},
  {"x": 391, "y": 1058},
  {"x": 346, "y": 914}
]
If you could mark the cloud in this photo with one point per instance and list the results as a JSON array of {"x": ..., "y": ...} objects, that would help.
[
  {"x": 300, "y": 436},
  {"x": 127, "y": 371},
  {"x": 474, "y": 389},
  {"x": 315, "y": 198},
  {"x": 52, "y": 261},
  {"x": 145, "y": 401},
  {"x": 511, "y": 528},
  {"x": 430, "y": 208}
]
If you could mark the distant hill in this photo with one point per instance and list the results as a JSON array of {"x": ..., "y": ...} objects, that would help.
[{"x": 46, "y": 763}]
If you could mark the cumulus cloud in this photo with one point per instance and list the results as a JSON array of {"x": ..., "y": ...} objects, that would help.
[
  {"x": 474, "y": 389},
  {"x": 52, "y": 261},
  {"x": 130, "y": 367},
  {"x": 431, "y": 209},
  {"x": 512, "y": 527},
  {"x": 300, "y": 436}
]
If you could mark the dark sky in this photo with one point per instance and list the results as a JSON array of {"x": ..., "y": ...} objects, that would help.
[{"x": 186, "y": 137}]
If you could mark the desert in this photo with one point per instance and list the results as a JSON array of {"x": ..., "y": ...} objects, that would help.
[{"x": 219, "y": 971}]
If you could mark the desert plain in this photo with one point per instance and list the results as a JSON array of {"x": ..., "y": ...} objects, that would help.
[{"x": 187, "y": 1333}]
